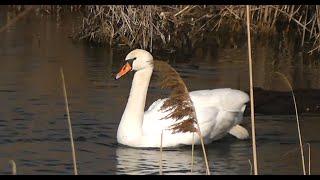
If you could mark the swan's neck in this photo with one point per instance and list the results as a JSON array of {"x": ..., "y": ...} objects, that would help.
[{"x": 130, "y": 128}]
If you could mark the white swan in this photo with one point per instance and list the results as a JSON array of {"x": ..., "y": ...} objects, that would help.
[{"x": 219, "y": 111}]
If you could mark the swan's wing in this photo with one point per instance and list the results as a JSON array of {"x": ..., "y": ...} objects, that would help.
[{"x": 153, "y": 122}]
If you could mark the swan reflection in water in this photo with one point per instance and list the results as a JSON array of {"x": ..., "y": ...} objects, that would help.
[
  {"x": 224, "y": 158},
  {"x": 146, "y": 161}
]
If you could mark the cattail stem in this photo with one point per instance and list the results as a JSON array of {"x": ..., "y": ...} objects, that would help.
[
  {"x": 14, "y": 167},
  {"x": 160, "y": 162},
  {"x": 254, "y": 149},
  {"x": 69, "y": 124}
]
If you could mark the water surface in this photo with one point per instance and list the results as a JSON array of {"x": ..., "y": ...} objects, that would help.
[{"x": 33, "y": 125}]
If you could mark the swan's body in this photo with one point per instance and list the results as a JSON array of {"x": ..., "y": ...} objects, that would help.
[{"x": 219, "y": 111}]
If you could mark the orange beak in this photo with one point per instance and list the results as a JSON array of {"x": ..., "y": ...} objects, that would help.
[{"x": 126, "y": 68}]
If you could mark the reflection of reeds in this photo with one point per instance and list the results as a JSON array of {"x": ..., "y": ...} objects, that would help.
[
  {"x": 160, "y": 162},
  {"x": 15, "y": 19},
  {"x": 309, "y": 158},
  {"x": 69, "y": 123},
  {"x": 250, "y": 166},
  {"x": 254, "y": 150},
  {"x": 13, "y": 167},
  {"x": 192, "y": 152},
  {"x": 297, "y": 118}
]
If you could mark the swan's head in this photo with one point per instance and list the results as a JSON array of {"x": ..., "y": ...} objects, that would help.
[{"x": 136, "y": 60}]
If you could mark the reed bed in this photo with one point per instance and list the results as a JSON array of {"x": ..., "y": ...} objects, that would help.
[
  {"x": 146, "y": 27},
  {"x": 178, "y": 26}
]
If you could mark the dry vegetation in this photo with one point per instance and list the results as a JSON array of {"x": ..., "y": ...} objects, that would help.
[{"x": 173, "y": 27}]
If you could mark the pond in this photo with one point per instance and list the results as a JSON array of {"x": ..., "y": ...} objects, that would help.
[{"x": 33, "y": 123}]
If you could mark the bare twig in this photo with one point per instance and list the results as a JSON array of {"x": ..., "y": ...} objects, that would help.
[{"x": 184, "y": 9}]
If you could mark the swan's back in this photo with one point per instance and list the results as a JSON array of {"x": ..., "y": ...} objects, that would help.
[
  {"x": 224, "y": 98},
  {"x": 209, "y": 105}
]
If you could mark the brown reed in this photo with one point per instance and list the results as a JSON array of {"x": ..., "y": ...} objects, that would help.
[{"x": 254, "y": 149}]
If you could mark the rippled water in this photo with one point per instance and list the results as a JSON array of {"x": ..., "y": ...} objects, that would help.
[{"x": 33, "y": 125}]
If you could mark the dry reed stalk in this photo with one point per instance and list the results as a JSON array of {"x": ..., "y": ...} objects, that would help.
[
  {"x": 204, "y": 151},
  {"x": 304, "y": 27},
  {"x": 160, "y": 162},
  {"x": 314, "y": 49},
  {"x": 180, "y": 12},
  {"x": 254, "y": 149},
  {"x": 297, "y": 21},
  {"x": 298, "y": 122},
  {"x": 15, "y": 19},
  {"x": 309, "y": 158},
  {"x": 148, "y": 26},
  {"x": 14, "y": 167},
  {"x": 69, "y": 124},
  {"x": 192, "y": 152},
  {"x": 179, "y": 102}
]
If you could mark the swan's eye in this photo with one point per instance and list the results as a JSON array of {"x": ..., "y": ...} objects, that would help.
[{"x": 130, "y": 61}]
